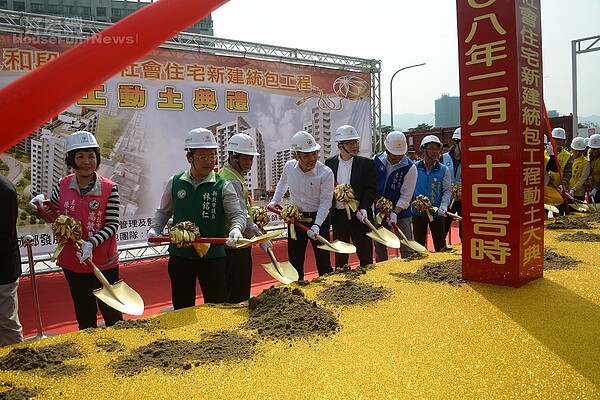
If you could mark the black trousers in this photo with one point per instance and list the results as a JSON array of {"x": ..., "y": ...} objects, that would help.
[
  {"x": 345, "y": 229},
  {"x": 297, "y": 248},
  {"x": 183, "y": 273},
  {"x": 437, "y": 228},
  {"x": 238, "y": 274},
  {"x": 82, "y": 286},
  {"x": 455, "y": 209}
]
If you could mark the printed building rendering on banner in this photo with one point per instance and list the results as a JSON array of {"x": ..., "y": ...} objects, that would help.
[{"x": 141, "y": 116}]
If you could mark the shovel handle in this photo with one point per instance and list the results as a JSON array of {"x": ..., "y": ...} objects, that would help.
[
  {"x": 302, "y": 226},
  {"x": 455, "y": 216},
  {"x": 369, "y": 224},
  {"x": 211, "y": 240}
]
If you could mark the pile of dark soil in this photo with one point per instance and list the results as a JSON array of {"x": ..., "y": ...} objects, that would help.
[
  {"x": 353, "y": 273},
  {"x": 16, "y": 393},
  {"x": 553, "y": 260},
  {"x": 108, "y": 345},
  {"x": 352, "y": 293},
  {"x": 448, "y": 271},
  {"x": 566, "y": 222},
  {"x": 49, "y": 359},
  {"x": 284, "y": 313},
  {"x": 169, "y": 355},
  {"x": 579, "y": 236}
]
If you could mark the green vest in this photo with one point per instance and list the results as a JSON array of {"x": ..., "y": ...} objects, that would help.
[
  {"x": 230, "y": 173},
  {"x": 202, "y": 206}
]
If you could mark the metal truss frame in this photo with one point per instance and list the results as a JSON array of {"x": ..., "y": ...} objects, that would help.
[{"x": 580, "y": 46}]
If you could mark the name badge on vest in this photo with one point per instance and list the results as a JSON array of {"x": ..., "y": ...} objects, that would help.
[
  {"x": 382, "y": 167},
  {"x": 94, "y": 204},
  {"x": 181, "y": 194}
]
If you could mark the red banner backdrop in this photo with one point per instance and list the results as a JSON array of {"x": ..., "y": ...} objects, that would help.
[
  {"x": 500, "y": 57},
  {"x": 60, "y": 82}
]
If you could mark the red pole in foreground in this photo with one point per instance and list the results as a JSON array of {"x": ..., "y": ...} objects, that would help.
[{"x": 33, "y": 99}]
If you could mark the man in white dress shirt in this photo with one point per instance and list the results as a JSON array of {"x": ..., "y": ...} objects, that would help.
[{"x": 310, "y": 184}]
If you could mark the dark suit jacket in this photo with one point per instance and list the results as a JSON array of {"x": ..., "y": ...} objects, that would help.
[{"x": 362, "y": 180}]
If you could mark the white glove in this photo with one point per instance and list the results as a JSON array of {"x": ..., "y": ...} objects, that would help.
[
  {"x": 560, "y": 188},
  {"x": 86, "y": 251},
  {"x": 265, "y": 245},
  {"x": 593, "y": 192},
  {"x": 441, "y": 212},
  {"x": 361, "y": 215},
  {"x": 392, "y": 219},
  {"x": 572, "y": 193},
  {"x": 272, "y": 204},
  {"x": 313, "y": 232},
  {"x": 37, "y": 201},
  {"x": 549, "y": 149},
  {"x": 151, "y": 234},
  {"x": 234, "y": 235}
]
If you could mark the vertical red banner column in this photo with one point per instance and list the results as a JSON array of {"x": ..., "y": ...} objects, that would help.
[{"x": 500, "y": 58}]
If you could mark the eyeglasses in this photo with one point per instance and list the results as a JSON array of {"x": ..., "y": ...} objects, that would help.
[{"x": 204, "y": 157}]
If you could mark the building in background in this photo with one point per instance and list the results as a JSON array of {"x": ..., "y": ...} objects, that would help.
[
  {"x": 447, "y": 111},
  {"x": 320, "y": 128},
  {"x": 277, "y": 164},
  {"x": 109, "y": 11},
  {"x": 257, "y": 177},
  {"x": 48, "y": 150}
]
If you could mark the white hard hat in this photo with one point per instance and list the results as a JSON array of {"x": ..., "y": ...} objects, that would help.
[
  {"x": 586, "y": 141},
  {"x": 346, "y": 132},
  {"x": 395, "y": 143},
  {"x": 243, "y": 144},
  {"x": 578, "y": 143},
  {"x": 81, "y": 140},
  {"x": 200, "y": 138},
  {"x": 594, "y": 142},
  {"x": 304, "y": 142},
  {"x": 430, "y": 139},
  {"x": 559, "y": 133},
  {"x": 456, "y": 134}
]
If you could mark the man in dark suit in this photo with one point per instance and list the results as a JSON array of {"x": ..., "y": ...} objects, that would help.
[
  {"x": 11, "y": 331},
  {"x": 358, "y": 172}
]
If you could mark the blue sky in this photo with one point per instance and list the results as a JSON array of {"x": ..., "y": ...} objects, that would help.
[{"x": 402, "y": 33}]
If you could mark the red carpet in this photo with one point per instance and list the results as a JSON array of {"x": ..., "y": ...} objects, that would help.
[{"x": 150, "y": 279}]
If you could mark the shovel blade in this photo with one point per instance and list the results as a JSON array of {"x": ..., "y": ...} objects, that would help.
[
  {"x": 385, "y": 237},
  {"x": 418, "y": 247},
  {"x": 122, "y": 298},
  {"x": 274, "y": 272},
  {"x": 338, "y": 247}
]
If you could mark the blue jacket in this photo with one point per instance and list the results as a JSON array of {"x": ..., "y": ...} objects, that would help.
[
  {"x": 430, "y": 185},
  {"x": 389, "y": 187}
]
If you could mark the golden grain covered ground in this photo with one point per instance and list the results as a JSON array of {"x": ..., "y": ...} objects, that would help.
[{"x": 426, "y": 340}]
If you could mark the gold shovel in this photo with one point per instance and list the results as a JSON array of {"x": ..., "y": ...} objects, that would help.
[
  {"x": 413, "y": 244},
  {"x": 336, "y": 246},
  {"x": 382, "y": 235},
  {"x": 119, "y": 295},
  {"x": 283, "y": 271}
]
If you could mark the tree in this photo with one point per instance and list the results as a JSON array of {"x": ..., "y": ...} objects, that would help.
[
  {"x": 386, "y": 129},
  {"x": 421, "y": 127}
]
